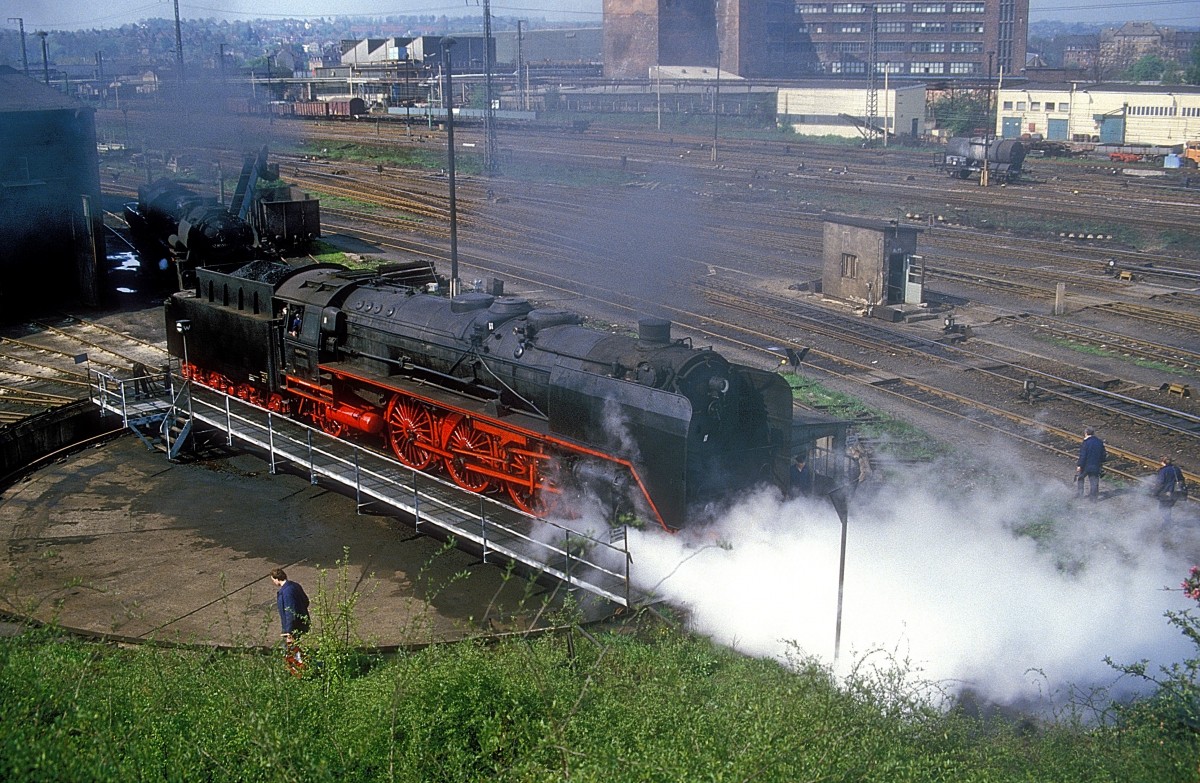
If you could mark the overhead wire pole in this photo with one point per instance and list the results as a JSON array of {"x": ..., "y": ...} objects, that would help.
[
  {"x": 448, "y": 101},
  {"x": 178, "y": 43},
  {"x": 520, "y": 58},
  {"x": 489, "y": 115},
  {"x": 45, "y": 56},
  {"x": 24, "y": 55},
  {"x": 872, "y": 67}
]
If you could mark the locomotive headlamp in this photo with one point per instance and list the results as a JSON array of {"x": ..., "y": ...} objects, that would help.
[{"x": 183, "y": 326}]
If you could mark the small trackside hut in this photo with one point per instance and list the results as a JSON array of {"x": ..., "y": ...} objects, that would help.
[{"x": 873, "y": 263}]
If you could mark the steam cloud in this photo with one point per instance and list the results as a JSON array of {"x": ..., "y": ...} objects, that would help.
[{"x": 938, "y": 582}]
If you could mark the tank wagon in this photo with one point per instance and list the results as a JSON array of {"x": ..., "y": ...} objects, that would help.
[
  {"x": 965, "y": 157},
  {"x": 502, "y": 396}
]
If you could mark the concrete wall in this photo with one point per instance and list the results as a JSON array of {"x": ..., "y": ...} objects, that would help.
[
  {"x": 867, "y": 248},
  {"x": 631, "y": 30},
  {"x": 26, "y": 441},
  {"x": 51, "y": 215},
  {"x": 873, "y": 247}
]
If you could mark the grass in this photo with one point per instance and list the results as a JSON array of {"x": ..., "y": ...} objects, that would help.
[
  {"x": 899, "y": 439},
  {"x": 1095, "y": 350},
  {"x": 391, "y": 155},
  {"x": 641, "y": 703}
]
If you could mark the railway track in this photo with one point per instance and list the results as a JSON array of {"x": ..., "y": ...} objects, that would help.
[
  {"x": 42, "y": 367},
  {"x": 759, "y": 221},
  {"x": 1141, "y": 349}
]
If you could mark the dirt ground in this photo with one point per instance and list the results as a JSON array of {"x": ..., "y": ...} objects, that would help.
[{"x": 117, "y": 540}]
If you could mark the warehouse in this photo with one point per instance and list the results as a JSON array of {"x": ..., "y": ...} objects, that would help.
[
  {"x": 827, "y": 109},
  {"x": 1131, "y": 114}
]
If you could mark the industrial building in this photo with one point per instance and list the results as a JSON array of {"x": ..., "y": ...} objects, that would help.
[
  {"x": 539, "y": 49},
  {"x": 51, "y": 216},
  {"x": 831, "y": 109},
  {"x": 1133, "y": 114},
  {"x": 777, "y": 40}
]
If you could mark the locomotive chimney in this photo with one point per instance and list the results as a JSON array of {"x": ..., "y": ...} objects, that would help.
[{"x": 654, "y": 330}]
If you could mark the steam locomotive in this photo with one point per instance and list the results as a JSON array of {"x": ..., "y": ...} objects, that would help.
[
  {"x": 264, "y": 218},
  {"x": 965, "y": 157},
  {"x": 503, "y": 396},
  {"x": 185, "y": 224}
]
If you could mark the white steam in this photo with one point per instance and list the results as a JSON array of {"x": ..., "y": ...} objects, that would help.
[{"x": 940, "y": 582}]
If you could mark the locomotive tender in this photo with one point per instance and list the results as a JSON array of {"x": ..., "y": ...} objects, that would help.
[{"x": 503, "y": 396}]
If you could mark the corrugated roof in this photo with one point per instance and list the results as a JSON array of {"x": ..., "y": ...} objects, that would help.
[{"x": 19, "y": 93}]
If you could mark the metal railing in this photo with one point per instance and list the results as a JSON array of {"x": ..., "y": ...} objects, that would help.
[{"x": 594, "y": 561}]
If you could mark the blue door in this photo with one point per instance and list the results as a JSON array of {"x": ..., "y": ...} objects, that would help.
[
  {"x": 1056, "y": 130},
  {"x": 1112, "y": 130},
  {"x": 1011, "y": 128}
]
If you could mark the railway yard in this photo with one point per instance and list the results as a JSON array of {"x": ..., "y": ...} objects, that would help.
[{"x": 619, "y": 223}]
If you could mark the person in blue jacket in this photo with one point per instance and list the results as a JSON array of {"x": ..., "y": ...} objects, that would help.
[
  {"x": 1168, "y": 487},
  {"x": 293, "y": 605},
  {"x": 801, "y": 477},
  {"x": 1087, "y": 469}
]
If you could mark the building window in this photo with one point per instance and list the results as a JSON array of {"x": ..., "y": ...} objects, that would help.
[
  {"x": 921, "y": 68},
  {"x": 892, "y": 27},
  {"x": 964, "y": 68},
  {"x": 849, "y": 266},
  {"x": 1008, "y": 105},
  {"x": 841, "y": 47},
  {"x": 935, "y": 47},
  {"x": 1064, "y": 107},
  {"x": 848, "y": 67},
  {"x": 889, "y": 68},
  {"x": 966, "y": 8},
  {"x": 966, "y": 27},
  {"x": 850, "y": 28},
  {"x": 929, "y": 27},
  {"x": 1035, "y": 105},
  {"x": 849, "y": 8},
  {"x": 929, "y": 8},
  {"x": 890, "y": 8},
  {"x": 893, "y": 46},
  {"x": 1020, "y": 105},
  {"x": 966, "y": 47},
  {"x": 811, "y": 8}
]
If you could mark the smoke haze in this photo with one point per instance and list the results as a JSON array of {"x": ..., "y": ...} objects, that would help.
[{"x": 936, "y": 582}]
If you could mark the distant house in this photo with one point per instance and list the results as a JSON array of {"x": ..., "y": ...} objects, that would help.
[
  {"x": 146, "y": 83},
  {"x": 1121, "y": 47}
]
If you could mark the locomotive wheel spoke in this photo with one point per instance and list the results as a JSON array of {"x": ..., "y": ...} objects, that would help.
[
  {"x": 466, "y": 446},
  {"x": 410, "y": 428},
  {"x": 529, "y": 490}
]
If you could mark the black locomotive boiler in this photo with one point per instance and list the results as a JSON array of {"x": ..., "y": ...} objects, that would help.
[
  {"x": 501, "y": 395},
  {"x": 189, "y": 226}
]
